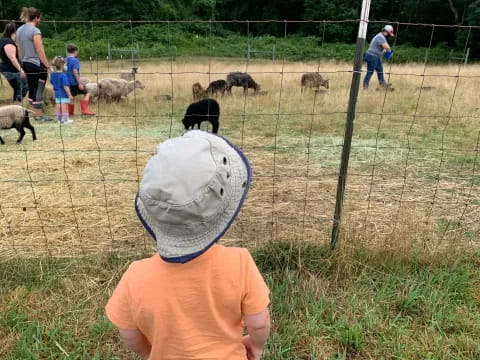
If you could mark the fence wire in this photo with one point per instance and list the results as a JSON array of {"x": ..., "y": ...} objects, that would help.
[{"x": 413, "y": 173}]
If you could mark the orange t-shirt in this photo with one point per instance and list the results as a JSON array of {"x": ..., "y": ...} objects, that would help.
[{"x": 192, "y": 310}]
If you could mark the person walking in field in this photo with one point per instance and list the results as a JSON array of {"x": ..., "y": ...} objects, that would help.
[
  {"x": 10, "y": 65},
  {"x": 34, "y": 61},
  {"x": 76, "y": 86},
  {"x": 61, "y": 89},
  {"x": 193, "y": 298},
  {"x": 373, "y": 57}
]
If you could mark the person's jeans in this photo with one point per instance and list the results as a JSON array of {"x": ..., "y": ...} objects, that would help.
[
  {"x": 374, "y": 63},
  {"x": 19, "y": 85}
]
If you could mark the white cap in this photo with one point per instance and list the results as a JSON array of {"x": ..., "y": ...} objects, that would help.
[
  {"x": 192, "y": 190},
  {"x": 389, "y": 29}
]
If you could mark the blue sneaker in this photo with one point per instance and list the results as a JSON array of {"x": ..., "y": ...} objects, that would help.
[{"x": 42, "y": 118}]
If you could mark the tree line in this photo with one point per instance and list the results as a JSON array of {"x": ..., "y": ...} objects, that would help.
[{"x": 453, "y": 12}]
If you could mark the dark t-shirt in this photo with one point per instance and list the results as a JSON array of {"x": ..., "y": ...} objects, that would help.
[{"x": 6, "y": 65}]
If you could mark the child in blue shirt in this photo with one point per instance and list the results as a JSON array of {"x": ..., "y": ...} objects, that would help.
[
  {"x": 61, "y": 89},
  {"x": 76, "y": 86}
]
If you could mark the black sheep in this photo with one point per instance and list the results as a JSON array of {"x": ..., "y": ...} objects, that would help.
[
  {"x": 203, "y": 110},
  {"x": 242, "y": 80},
  {"x": 217, "y": 86}
]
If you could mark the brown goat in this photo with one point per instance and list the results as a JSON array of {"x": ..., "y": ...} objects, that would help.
[
  {"x": 198, "y": 92},
  {"x": 313, "y": 80}
]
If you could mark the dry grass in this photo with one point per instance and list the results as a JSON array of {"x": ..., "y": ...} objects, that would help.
[{"x": 419, "y": 173}]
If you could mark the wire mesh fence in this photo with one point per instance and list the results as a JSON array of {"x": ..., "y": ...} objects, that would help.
[{"x": 413, "y": 164}]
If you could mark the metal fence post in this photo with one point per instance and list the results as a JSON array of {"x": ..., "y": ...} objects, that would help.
[
  {"x": 352, "y": 105},
  {"x": 466, "y": 56}
]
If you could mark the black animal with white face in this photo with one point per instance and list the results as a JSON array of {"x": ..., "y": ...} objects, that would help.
[{"x": 200, "y": 111}]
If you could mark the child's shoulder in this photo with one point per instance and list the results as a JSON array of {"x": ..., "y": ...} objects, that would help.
[
  {"x": 232, "y": 256},
  {"x": 72, "y": 59}
]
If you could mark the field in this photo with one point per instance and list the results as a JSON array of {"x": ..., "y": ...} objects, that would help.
[
  {"x": 401, "y": 285},
  {"x": 413, "y": 162}
]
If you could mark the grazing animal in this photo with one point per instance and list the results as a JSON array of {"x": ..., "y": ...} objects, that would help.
[
  {"x": 241, "y": 80},
  {"x": 217, "y": 86},
  {"x": 314, "y": 80},
  {"x": 48, "y": 96},
  {"x": 260, "y": 93},
  {"x": 128, "y": 75},
  {"x": 203, "y": 110},
  {"x": 16, "y": 116},
  {"x": 115, "y": 89},
  {"x": 92, "y": 89},
  {"x": 198, "y": 92},
  {"x": 162, "y": 97},
  {"x": 85, "y": 81}
]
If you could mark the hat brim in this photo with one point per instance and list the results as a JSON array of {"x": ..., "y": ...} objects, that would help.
[{"x": 178, "y": 246}]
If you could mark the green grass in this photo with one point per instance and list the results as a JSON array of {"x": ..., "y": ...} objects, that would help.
[{"x": 357, "y": 305}]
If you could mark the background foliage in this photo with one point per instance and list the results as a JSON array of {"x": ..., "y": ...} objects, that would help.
[{"x": 454, "y": 12}]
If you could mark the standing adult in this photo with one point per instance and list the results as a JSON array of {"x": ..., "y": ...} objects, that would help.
[
  {"x": 34, "y": 60},
  {"x": 373, "y": 57},
  {"x": 10, "y": 65}
]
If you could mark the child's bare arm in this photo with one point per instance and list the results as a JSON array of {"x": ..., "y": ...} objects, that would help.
[
  {"x": 77, "y": 77},
  {"x": 258, "y": 326},
  {"x": 67, "y": 90},
  {"x": 136, "y": 342}
]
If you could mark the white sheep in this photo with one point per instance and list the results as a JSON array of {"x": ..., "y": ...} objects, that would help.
[
  {"x": 92, "y": 89},
  {"x": 85, "y": 81},
  {"x": 128, "y": 74},
  {"x": 16, "y": 116},
  {"x": 48, "y": 96},
  {"x": 115, "y": 89}
]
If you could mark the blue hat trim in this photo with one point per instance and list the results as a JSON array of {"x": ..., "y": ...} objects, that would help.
[{"x": 189, "y": 257}]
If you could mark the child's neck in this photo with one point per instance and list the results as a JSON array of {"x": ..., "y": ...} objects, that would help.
[{"x": 57, "y": 70}]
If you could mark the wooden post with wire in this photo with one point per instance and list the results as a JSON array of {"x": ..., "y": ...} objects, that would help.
[{"x": 352, "y": 107}]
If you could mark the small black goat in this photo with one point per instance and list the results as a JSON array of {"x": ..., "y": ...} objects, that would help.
[{"x": 203, "y": 110}]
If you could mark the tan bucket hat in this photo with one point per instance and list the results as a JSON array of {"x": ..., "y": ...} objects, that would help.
[{"x": 192, "y": 190}]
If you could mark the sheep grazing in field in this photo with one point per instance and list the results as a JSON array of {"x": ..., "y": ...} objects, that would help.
[
  {"x": 48, "y": 96},
  {"x": 85, "y": 81},
  {"x": 217, "y": 86},
  {"x": 128, "y": 75},
  {"x": 92, "y": 89},
  {"x": 203, "y": 110},
  {"x": 260, "y": 93},
  {"x": 198, "y": 92},
  {"x": 162, "y": 97},
  {"x": 115, "y": 89},
  {"x": 314, "y": 80},
  {"x": 16, "y": 116},
  {"x": 241, "y": 80}
]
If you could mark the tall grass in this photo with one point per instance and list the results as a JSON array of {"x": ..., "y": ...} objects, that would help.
[{"x": 346, "y": 305}]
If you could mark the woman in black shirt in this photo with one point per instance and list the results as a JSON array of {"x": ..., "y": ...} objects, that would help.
[{"x": 10, "y": 66}]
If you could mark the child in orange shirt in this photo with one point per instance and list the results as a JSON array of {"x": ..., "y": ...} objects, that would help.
[{"x": 192, "y": 301}]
